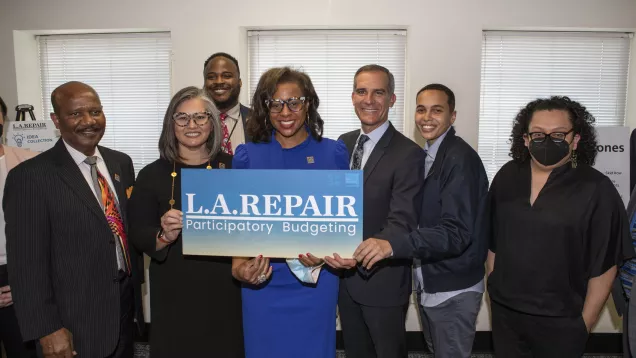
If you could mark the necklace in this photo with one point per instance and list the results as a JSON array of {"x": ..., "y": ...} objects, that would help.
[{"x": 174, "y": 175}]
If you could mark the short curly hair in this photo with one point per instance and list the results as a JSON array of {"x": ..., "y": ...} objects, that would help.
[{"x": 582, "y": 124}]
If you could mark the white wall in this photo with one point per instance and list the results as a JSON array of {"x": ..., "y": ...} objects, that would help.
[{"x": 444, "y": 39}]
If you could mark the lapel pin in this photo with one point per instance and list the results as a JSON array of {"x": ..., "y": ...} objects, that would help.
[
  {"x": 221, "y": 165},
  {"x": 310, "y": 160},
  {"x": 116, "y": 177}
]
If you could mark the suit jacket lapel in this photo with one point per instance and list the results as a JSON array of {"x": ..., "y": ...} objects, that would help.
[
  {"x": 72, "y": 176},
  {"x": 350, "y": 142},
  {"x": 244, "y": 113},
  {"x": 378, "y": 151}
]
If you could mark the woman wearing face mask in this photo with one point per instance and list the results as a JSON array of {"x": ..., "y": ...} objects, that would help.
[
  {"x": 558, "y": 229},
  {"x": 282, "y": 315},
  {"x": 195, "y": 305}
]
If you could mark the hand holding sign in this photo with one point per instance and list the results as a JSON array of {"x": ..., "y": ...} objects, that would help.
[
  {"x": 254, "y": 271},
  {"x": 172, "y": 223}
]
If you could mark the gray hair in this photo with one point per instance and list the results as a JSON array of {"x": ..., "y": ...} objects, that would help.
[
  {"x": 168, "y": 144},
  {"x": 377, "y": 68}
]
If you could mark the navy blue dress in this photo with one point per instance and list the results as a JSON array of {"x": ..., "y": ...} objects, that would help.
[{"x": 286, "y": 318}]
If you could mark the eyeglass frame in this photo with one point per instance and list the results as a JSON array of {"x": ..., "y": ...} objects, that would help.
[
  {"x": 303, "y": 99},
  {"x": 546, "y": 135},
  {"x": 189, "y": 116}
]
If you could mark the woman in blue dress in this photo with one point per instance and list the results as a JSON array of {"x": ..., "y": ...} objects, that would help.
[{"x": 282, "y": 315}]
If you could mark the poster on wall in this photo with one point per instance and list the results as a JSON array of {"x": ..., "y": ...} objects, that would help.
[
  {"x": 33, "y": 135},
  {"x": 613, "y": 157}
]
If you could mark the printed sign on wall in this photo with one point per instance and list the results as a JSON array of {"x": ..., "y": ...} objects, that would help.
[
  {"x": 33, "y": 135},
  {"x": 613, "y": 157}
]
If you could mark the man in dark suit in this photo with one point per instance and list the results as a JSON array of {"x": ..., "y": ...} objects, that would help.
[
  {"x": 223, "y": 83},
  {"x": 448, "y": 246},
  {"x": 374, "y": 299},
  {"x": 75, "y": 279}
]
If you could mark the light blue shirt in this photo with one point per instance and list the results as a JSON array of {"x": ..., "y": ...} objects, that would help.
[
  {"x": 374, "y": 137},
  {"x": 435, "y": 299}
]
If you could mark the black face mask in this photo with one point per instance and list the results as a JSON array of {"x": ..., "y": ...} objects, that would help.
[{"x": 549, "y": 152}]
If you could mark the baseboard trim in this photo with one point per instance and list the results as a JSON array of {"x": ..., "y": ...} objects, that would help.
[{"x": 603, "y": 343}]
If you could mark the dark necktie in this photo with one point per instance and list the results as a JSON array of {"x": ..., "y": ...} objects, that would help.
[
  {"x": 109, "y": 204},
  {"x": 356, "y": 161}
]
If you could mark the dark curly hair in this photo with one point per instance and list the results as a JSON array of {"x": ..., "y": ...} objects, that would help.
[
  {"x": 582, "y": 123},
  {"x": 259, "y": 126}
]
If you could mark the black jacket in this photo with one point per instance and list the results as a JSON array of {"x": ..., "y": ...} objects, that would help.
[
  {"x": 449, "y": 240},
  {"x": 61, "y": 251}
]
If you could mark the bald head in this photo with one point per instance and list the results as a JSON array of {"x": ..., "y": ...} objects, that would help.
[
  {"x": 69, "y": 90},
  {"x": 78, "y": 115}
]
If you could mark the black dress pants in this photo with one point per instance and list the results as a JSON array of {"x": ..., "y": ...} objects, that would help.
[{"x": 520, "y": 335}]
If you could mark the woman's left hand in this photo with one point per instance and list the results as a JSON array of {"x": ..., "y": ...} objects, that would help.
[{"x": 309, "y": 260}]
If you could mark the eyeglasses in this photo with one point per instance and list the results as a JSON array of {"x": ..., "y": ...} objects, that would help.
[
  {"x": 294, "y": 104},
  {"x": 557, "y": 137},
  {"x": 183, "y": 119}
]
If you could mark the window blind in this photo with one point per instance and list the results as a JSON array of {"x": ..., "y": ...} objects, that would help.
[
  {"x": 331, "y": 58},
  {"x": 131, "y": 74},
  {"x": 518, "y": 67}
]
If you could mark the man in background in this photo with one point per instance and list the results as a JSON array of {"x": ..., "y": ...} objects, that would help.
[{"x": 223, "y": 83}]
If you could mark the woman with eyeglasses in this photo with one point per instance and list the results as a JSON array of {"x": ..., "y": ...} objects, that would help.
[
  {"x": 195, "y": 304},
  {"x": 558, "y": 231},
  {"x": 285, "y": 315}
]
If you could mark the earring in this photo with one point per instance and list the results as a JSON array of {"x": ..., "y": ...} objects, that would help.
[
  {"x": 307, "y": 120},
  {"x": 573, "y": 159}
]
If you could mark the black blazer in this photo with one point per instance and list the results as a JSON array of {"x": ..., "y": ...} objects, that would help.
[
  {"x": 393, "y": 177},
  {"x": 61, "y": 251},
  {"x": 245, "y": 112},
  {"x": 449, "y": 240}
]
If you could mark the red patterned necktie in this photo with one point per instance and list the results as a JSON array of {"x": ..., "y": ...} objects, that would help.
[
  {"x": 114, "y": 218},
  {"x": 226, "y": 144}
]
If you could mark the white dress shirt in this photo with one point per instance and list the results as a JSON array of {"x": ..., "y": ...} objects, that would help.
[{"x": 79, "y": 157}]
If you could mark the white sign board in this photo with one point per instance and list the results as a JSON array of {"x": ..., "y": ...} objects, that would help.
[
  {"x": 33, "y": 135},
  {"x": 613, "y": 157}
]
